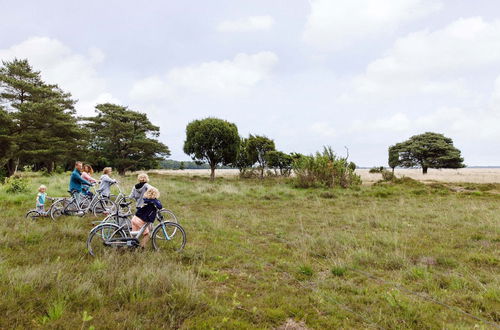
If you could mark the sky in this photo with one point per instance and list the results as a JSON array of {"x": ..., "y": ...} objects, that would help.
[{"x": 361, "y": 74}]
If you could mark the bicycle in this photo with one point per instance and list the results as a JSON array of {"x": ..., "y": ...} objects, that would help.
[
  {"x": 33, "y": 214},
  {"x": 80, "y": 204},
  {"x": 105, "y": 237},
  {"x": 121, "y": 199}
]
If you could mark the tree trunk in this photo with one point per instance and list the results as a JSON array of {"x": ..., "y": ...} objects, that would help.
[
  {"x": 424, "y": 169},
  {"x": 262, "y": 172},
  {"x": 121, "y": 171},
  {"x": 212, "y": 172},
  {"x": 393, "y": 171}
]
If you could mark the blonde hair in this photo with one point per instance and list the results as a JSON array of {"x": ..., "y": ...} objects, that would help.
[
  {"x": 106, "y": 170},
  {"x": 152, "y": 193},
  {"x": 42, "y": 187},
  {"x": 142, "y": 177}
]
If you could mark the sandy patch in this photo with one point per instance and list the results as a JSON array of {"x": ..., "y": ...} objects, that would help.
[{"x": 473, "y": 175}]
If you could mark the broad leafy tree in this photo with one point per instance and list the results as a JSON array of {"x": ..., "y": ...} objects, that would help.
[
  {"x": 428, "y": 150},
  {"x": 212, "y": 140},
  {"x": 393, "y": 157},
  {"x": 243, "y": 161},
  {"x": 280, "y": 161},
  {"x": 258, "y": 148},
  {"x": 124, "y": 139}
]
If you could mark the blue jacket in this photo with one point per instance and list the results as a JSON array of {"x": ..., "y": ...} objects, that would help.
[
  {"x": 147, "y": 213},
  {"x": 76, "y": 181}
]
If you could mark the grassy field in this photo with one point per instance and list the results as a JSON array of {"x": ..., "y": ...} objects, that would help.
[{"x": 264, "y": 254}]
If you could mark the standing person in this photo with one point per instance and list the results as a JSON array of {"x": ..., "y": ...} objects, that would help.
[
  {"x": 147, "y": 213},
  {"x": 76, "y": 181},
  {"x": 106, "y": 182},
  {"x": 40, "y": 199},
  {"x": 139, "y": 189},
  {"x": 87, "y": 175}
]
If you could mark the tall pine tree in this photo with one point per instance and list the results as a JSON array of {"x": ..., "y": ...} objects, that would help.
[{"x": 45, "y": 130}]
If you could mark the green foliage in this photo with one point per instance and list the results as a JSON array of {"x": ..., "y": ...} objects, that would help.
[
  {"x": 212, "y": 140},
  {"x": 281, "y": 161},
  {"x": 376, "y": 169},
  {"x": 257, "y": 148},
  {"x": 428, "y": 150},
  {"x": 387, "y": 175},
  {"x": 124, "y": 139},
  {"x": 41, "y": 122},
  {"x": 324, "y": 169},
  {"x": 243, "y": 160},
  {"x": 16, "y": 185}
]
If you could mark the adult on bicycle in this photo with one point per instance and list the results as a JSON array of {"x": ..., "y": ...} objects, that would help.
[{"x": 76, "y": 181}]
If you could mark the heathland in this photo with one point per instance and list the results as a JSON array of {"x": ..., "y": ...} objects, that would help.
[{"x": 264, "y": 254}]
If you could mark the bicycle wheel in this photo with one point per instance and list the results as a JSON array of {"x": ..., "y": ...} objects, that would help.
[
  {"x": 105, "y": 238},
  {"x": 166, "y": 215},
  {"x": 123, "y": 205},
  {"x": 33, "y": 214},
  {"x": 57, "y": 209},
  {"x": 103, "y": 205},
  {"x": 169, "y": 236}
]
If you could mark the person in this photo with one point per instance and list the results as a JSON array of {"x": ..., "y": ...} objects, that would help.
[
  {"x": 87, "y": 175},
  {"x": 106, "y": 182},
  {"x": 40, "y": 199},
  {"x": 76, "y": 181},
  {"x": 139, "y": 189},
  {"x": 147, "y": 213}
]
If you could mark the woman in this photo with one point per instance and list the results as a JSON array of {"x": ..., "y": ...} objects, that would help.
[{"x": 87, "y": 175}]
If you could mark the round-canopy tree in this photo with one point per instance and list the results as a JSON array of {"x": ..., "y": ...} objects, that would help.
[
  {"x": 258, "y": 147},
  {"x": 212, "y": 140},
  {"x": 428, "y": 150}
]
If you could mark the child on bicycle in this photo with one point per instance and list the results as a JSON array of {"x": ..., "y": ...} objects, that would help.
[
  {"x": 106, "y": 182},
  {"x": 147, "y": 213},
  {"x": 140, "y": 189},
  {"x": 40, "y": 199}
]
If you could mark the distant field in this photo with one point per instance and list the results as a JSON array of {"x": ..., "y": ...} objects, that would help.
[
  {"x": 473, "y": 175},
  {"x": 262, "y": 254}
]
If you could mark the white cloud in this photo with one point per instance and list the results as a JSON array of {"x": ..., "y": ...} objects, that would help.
[
  {"x": 252, "y": 23},
  {"x": 216, "y": 78},
  {"x": 60, "y": 65},
  {"x": 323, "y": 129},
  {"x": 396, "y": 122},
  {"x": 333, "y": 25},
  {"x": 439, "y": 62}
]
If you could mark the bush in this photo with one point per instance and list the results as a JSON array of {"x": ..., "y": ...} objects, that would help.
[
  {"x": 387, "y": 175},
  {"x": 16, "y": 185},
  {"x": 324, "y": 169},
  {"x": 376, "y": 169}
]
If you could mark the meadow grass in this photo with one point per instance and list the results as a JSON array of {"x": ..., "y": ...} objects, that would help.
[{"x": 262, "y": 253}]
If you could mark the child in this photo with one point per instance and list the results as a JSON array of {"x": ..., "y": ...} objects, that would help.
[
  {"x": 106, "y": 182},
  {"x": 40, "y": 199},
  {"x": 139, "y": 189},
  {"x": 147, "y": 213}
]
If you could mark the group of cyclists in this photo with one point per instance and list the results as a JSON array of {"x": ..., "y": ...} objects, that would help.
[{"x": 145, "y": 195}]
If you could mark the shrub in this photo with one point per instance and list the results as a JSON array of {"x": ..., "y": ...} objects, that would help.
[
  {"x": 376, "y": 169},
  {"x": 16, "y": 185},
  {"x": 324, "y": 169},
  {"x": 387, "y": 175}
]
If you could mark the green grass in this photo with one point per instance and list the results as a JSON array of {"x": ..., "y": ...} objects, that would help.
[{"x": 260, "y": 253}]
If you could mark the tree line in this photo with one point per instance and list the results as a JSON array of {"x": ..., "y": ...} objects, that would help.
[{"x": 39, "y": 128}]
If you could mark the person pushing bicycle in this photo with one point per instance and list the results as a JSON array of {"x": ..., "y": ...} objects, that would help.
[{"x": 147, "y": 213}]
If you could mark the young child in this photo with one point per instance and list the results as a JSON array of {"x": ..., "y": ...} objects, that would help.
[
  {"x": 147, "y": 213},
  {"x": 40, "y": 199},
  {"x": 140, "y": 189},
  {"x": 106, "y": 182}
]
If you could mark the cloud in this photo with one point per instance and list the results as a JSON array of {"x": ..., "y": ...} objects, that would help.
[
  {"x": 445, "y": 61},
  {"x": 334, "y": 25},
  {"x": 60, "y": 65},
  {"x": 252, "y": 23},
  {"x": 323, "y": 129},
  {"x": 215, "y": 78}
]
